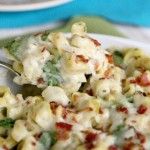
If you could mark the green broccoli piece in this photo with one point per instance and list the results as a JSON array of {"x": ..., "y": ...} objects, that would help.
[
  {"x": 118, "y": 58},
  {"x": 48, "y": 139},
  {"x": 7, "y": 123},
  {"x": 52, "y": 73},
  {"x": 17, "y": 46}
]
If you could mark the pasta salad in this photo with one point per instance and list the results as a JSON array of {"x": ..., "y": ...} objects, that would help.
[{"x": 92, "y": 98}]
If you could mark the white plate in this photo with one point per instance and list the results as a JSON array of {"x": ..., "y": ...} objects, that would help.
[
  {"x": 26, "y": 5},
  {"x": 106, "y": 41},
  {"x": 112, "y": 41}
]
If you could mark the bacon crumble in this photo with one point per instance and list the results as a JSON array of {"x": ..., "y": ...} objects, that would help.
[
  {"x": 90, "y": 139},
  {"x": 64, "y": 126},
  {"x": 81, "y": 58},
  {"x": 110, "y": 58},
  {"x": 122, "y": 109},
  {"x": 95, "y": 42},
  {"x": 141, "y": 80},
  {"x": 141, "y": 109}
]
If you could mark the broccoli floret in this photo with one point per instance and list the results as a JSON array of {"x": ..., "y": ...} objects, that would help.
[{"x": 52, "y": 73}]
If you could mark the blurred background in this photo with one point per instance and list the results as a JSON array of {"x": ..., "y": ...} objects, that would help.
[{"x": 125, "y": 18}]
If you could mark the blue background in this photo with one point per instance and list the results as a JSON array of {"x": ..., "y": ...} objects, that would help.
[{"x": 135, "y": 12}]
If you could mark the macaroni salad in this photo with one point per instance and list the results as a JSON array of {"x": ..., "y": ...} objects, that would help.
[{"x": 92, "y": 98}]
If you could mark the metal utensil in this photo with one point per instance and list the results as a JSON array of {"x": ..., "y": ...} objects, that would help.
[
  {"x": 25, "y": 90},
  {"x": 9, "y": 67}
]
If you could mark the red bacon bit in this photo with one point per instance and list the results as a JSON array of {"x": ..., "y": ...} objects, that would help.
[
  {"x": 95, "y": 42},
  {"x": 81, "y": 58},
  {"x": 66, "y": 112},
  {"x": 62, "y": 134},
  {"x": 90, "y": 137},
  {"x": 133, "y": 81},
  {"x": 128, "y": 146},
  {"x": 142, "y": 80},
  {"x": 112, "y": 147},
  {"x": 40, "y": 80},
  {"x": 5, "y": 147},
  {"x": 64, "y": 126},
  {"x": 89, "y": 140},
  {"x": 110, "y": 58},
  {"x": 131, "y": 146},
  {"x": 122, "y": 109},
  {"x": 141, "y": 137},
  {"x": 63, "y": 130},
  {"x": 142, "y": 109}
]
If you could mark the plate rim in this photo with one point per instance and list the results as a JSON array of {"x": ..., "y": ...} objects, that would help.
[
  {"x": 124, "y": 40},
  {"x": 32, "y": 6}
]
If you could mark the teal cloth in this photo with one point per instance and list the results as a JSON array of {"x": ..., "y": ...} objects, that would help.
[{"x": 135, "y": 12}]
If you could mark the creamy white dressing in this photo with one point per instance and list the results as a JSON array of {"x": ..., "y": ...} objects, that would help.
[{"x": 111, "y": 110}]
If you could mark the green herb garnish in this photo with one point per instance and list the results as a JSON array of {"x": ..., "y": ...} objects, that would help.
[
  {"x": 52, "y": 73},
  {"x": 119, "y": 129},
  {"x": 48, "y": 139},
  {"x": 118, "y": 58},
  {"x": 7, "y": 123}
]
